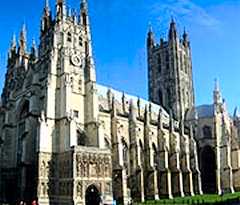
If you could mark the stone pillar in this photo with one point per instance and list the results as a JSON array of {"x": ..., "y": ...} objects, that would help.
[
  {"x": 235, "y": 168},
  {"x": 151, "y": 188},
  {"x": 218, "y": 171},
  {"x": 226, "y": 169},
  {"x": 185, "y": 166},
  {"x": 164, "y": 185},
  {"x": 151, "y": 184},
  {"x": 194, "y": 164},
  {"x": 176, "y": 174}
]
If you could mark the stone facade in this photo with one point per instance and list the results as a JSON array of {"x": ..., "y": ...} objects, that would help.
[
  {"x": 170, "y": 81},
  {"x": 67, "y": 140}
]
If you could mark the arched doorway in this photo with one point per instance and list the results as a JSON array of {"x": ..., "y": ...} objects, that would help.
[
  {"x": 92, "y": 196},
  {"x": 208, "y": 170}
]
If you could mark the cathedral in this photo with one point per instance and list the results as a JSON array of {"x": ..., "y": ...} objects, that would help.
[{"x": 65, "y": 139}]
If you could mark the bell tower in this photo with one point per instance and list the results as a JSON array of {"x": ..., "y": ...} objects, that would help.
[{"x": 170, "y": 82}]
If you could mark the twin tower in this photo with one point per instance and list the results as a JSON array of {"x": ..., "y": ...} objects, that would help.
[{"x": 65, "y": 139}]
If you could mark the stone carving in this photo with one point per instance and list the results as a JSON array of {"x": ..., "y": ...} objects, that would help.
[{"x": 79, "y": 189}]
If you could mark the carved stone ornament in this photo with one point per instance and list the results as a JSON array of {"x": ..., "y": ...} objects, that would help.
[{"x": 76, "y": 60}]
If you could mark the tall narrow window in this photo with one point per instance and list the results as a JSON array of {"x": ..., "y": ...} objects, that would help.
[
  {"x": 159, "y": 63},
  {"x": 80, "y": 40},
  {"x": 125, "y": 154},
  {"x": 160, "y": 97},
  {"x": 155, "y": 161},
  {"x": 207, "y": 132},
  {"x": 69, "y": 37}
]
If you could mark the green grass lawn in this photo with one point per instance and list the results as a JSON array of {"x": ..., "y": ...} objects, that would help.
[{"x": 199, "y": 199}]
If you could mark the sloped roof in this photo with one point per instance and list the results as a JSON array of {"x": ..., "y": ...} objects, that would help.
[{"x": 204, "y": 111}]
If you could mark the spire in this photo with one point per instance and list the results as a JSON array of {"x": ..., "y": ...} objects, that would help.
[
  {"x": 47, "y": 4},
  {"x": 185, "y": 38},
  {"x": 84, "y": 5},
  {"x": 150, "y": 38},
  {"x": 84, "y": 13},
  {"x": 12, "y": 49},
  {"x": 33, "y": 54},
  {"x": 14, "y": 42},
  {"x": 217, "y": 93},
  {"x": 89, "y": 62},
  {"x": 23, "y": 40},
  {"x": 172, "y": 30},
  {"x": 216, "y": 85},
  {"x": 61, "y": 9},
  {"x": 236, "y": 114},
  {"x": 46, "y": 18},
  {"x": 132, "y": 112}
]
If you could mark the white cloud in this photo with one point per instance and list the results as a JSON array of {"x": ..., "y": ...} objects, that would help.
[{"x": 184, "y": 10}]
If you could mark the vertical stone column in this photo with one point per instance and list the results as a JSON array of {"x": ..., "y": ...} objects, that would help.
[
  {"x": 151, "y": 190},
  {"x": 118, "y": 174},
  {"x": 185, "y": 162},
  {"x": 194, "y": 164},
  {"x": 137, "y": 163},
  {"x": 176, "y": 174},
  {"x": 164, "y": 174},
  {"x": 225, "y": 164}
]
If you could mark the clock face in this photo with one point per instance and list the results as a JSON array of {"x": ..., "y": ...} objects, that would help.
[{"x": 76, "y": 60}]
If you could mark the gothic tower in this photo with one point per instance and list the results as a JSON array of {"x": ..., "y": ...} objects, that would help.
[{"x": 170, "y": 82}]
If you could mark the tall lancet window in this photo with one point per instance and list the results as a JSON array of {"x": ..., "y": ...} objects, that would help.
[
  {"x": 125, "y": 154},
  {"x": 22, "y": 144}
]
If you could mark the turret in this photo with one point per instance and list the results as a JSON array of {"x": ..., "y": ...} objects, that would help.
[
  {"x": 236, "y": 114},
  {"x": 172, "y": 31},
  {"x": 132, "y": 112},
  {"x": 22, "y": 41},
  {"x": 12, "y": 50},
  {"x": 186, "y": 41},
  {"x": 150, "y": 39},
  {"x": 46, "y": 18},
  {"x": 84, "y": 13},
  {"x": 84, "y": 21},
  {"x": 217, "y": 98},
  {"x": 33, "y": 54},
  {"x": 61, "y": 10}
]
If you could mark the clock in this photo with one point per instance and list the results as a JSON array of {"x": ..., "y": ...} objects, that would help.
[{"x": 76, "y": 60}]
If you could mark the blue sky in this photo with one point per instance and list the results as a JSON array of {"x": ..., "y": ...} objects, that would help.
[{"x": 119, "y": 31}]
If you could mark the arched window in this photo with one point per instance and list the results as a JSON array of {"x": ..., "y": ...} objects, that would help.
[
  {"x": 207, "y": 132},
  {"x": 160, "y": 97},
  {"x": 155, "y": 161},
  {"x": 80, "y": 40},
  {"x": 125, "y": 154},
  {"x": 69, "y": 37},
  {"x": 81, "y": 138},
  {"x": 25, "y": 110},
  {"x": 22, "y": 146}
]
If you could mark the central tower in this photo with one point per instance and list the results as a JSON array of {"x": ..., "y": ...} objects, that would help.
[{"x": 170, "y": 82}]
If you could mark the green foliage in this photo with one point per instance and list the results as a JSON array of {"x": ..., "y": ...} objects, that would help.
[{"x": 198, "y": 199}]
